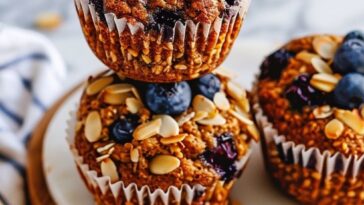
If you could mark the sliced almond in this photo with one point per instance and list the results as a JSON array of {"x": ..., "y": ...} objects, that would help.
[
  {"x": 321, "y": 66},
  {"x": 325, "y": 47},
  {"x": 105, "y": 147},
  {"x": 253, "y": 132},
  {"x": 235, "y": 91},
  {"x": 174, "y": 139},
  {"x": 169, "y": 126},
  {"x": 200, "y": 115},
  {"x": 109, "y": 169},
  {"x": 241, "y": 118},
  {"x": 133, "y": 105},
  {"x": 216, "y": 120},
  {"x": 306, "y": 56},
  {"x": 352, "y": 119},
  {"x": 99, "y": 84},
  {"x": 324, "y": 82},
  {"x": 221, "y": 101},
  {"x": 93, "y": 126},
  {"x": 101, "y": 158},
  {"x": 134, "y": 155},
  {"x": 147, "y": 130},
  {"x": 185, "y": 118},
  {"x": 244, "y": 104},
  {"x": 203, "y": 104},
  {"x": 225, "y": 72},
  {"x": 136, "y": 93},
  {"x": 164, "y": 164},
  {"x": 323, "y": 112},
  {"x": 119, "y": 88},
  {"x": 334, "y": 129}
]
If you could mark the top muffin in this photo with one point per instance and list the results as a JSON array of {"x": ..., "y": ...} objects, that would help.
[{"x": 312, "y": 89}]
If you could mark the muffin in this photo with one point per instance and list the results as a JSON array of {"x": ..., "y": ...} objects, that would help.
[
  {"x": 161, "y": 41},
  {"x": 309, "y": 107},
  {"x": 178, "y": 143}
]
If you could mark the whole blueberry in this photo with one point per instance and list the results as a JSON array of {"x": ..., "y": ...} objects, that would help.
[
  {"x": 222, "y": 158},
  {"x": 207, "y": 86},
  {"x": 300, "y": 93},
  {"x": 274, "y": 64},
  {"x": 165, "y": 19},
  {"x": 349, "y": 58},
  {"x": 121, "y": 131},
  {"x": 354, "y": 35},
  {"x": 170, "y": 99},
  {"x": 349, "y": 92}
]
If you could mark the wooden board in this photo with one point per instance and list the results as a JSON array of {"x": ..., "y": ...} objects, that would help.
[{"x": 37, "y": 186}]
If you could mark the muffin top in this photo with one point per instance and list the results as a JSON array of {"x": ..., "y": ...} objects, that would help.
[
  {"x": 155, "y": 13},
  {"x": 312, "y": 90},
  {"x": 159, "y": 135}
]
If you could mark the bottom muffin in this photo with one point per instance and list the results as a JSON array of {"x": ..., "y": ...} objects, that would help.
[
  {"x": 309, "y": 108},
  {"x": 178, "y": 143}
]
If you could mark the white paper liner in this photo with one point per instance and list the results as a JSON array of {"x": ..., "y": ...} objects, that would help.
[
  {"x": 104, "y": 183},
  {"x": 312, "y": 158}
]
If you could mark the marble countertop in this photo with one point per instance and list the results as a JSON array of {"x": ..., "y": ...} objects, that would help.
[{"x": 268, "y": 21}]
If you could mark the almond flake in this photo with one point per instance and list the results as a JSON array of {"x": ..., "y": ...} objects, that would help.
[
  {"x": 105, "y": 148},
  {"x": 334, "y": 129},
  {"x": 96, "y": 86},
  {"x": 306, "y": 56},
  {"x": 136, "y": 93},
  {"x": 185, "y": 118},
  {"x": 241, "y": 118},
  {"x": 93, "y": 126},
  {"x": 322, "y": 112},
  {"x": 101, "y": 158},
  {"x": 200, "y": 115},
  {"x": 352, "y": 119},
  {"x": 325, "y": 47},
  {"x": 164, "y": 164},
  {"x": 203, "y": 104},
  {"x": 324, "y": 82},
  {"x": 147, "y": 130},
  {"x": 116, "y": 98},
  {"x": 235, "y": 91},
  {"x": 216, "y": 120},
  {"x": 253, "y": 132},
  {"x": 174, "y": 139},
  {"x": 134, "y": 155},
  {"x": 169, "y": 126},
  {"x": 119, "y": 88},
  {"x": 109, "y": 169},
  {"x": 221, "y": 101},
  {"x": 133, "y": 105},
  {"x": 225, "y": 72},
  {"x": 321, "y": 66}
]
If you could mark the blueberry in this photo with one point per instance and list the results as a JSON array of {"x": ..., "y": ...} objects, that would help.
[
  {"x": 222, "y": 158},
  {"x": 349, "y": 58},
  {"x": 121, "y": 131},
  {"x": 207, "y": 86},
  {"x": 99, "y": 8},
  {"x": 300, "y": 93},
  {"x": 232, "y": 2},
  {"x": 274, "y": 64},
  {"x": 349, "y": 92},
  {"x": 166, "y": 19},
  {"x": 354, "y": 35},
  {"x": 170, "y": 99}
]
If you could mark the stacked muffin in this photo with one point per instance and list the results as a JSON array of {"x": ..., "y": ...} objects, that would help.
[
  {"x": 140, "y": 133},
  {"x": 310, "y": 98}
]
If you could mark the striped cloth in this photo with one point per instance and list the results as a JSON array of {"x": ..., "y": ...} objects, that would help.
[{"x": 31, "y": 74}]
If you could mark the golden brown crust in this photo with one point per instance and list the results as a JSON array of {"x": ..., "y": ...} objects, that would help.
[
  {"x": 302, "y": 127},
  {"x": 198, "y": 138}
]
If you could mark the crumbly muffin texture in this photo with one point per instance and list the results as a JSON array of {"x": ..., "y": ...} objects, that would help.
[
  {"x": 301, "y": 91},
  {"x": 148, "y": 135}
]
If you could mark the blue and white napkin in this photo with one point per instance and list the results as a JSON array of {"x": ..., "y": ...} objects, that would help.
[{"x": 31, "y": 75}]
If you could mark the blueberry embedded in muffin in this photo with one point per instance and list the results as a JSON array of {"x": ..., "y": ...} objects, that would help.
[
  {"x": 313, "y": 101},
  {"x": 164, "y": 135}
]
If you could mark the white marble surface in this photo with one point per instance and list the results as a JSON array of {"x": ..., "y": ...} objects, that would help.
[{"x": 267, "y": 21}]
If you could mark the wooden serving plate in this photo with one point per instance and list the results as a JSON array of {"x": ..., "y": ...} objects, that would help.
[{"x": 37, "y": 186}]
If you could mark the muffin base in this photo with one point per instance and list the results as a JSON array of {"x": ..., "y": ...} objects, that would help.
[{"x": 195, "y": 50}]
